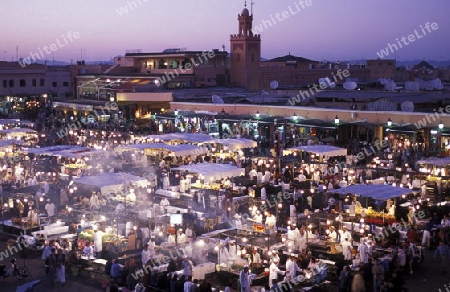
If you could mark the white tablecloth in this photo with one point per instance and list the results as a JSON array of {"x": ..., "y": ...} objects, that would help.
[{"x": 199, "y": 271}]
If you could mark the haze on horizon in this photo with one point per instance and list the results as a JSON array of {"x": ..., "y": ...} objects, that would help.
[{"x": 326, "y": 30}]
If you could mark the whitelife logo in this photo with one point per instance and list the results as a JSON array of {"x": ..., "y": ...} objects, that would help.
[
  {"x": 411, "y": 38},
  {"x": 279, "y": 17},
  {"x": 131, "y": 5},
  {"x": 67, "y": 38}
]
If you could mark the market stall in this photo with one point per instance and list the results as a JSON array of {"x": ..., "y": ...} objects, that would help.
[
  {"x": 236, "y": 144},
  {"x": 322, "y": 150},
  {"x": 210, "y": 172},
  {"x": 111, "y": 182}
]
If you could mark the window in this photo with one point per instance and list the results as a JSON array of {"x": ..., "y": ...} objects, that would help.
[
  {"x": 238, "y": 57},
  {"x": 11, "y": 83},
  {"x": 54, "y": 84},
  {"x": 66, "y": 84},
  {"x": 42, "y": 82},
  {"x": 33, "y": 82},
  {"x": 22, "y": 83},
  {"x": 253, "y": 58},
  {"x": 5, "y": 83}
]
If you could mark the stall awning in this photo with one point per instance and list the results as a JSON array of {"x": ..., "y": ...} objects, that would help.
[
  {"x": 435, "y": 161},
  {"x": 325, "y": 150},
  {"x": 377, "y": 192},
  {"x": 176, "y": 150},
  {"x": 74, "y": 106},
  {"x": 213, "y": 171},
  {"x": 182, "y": 137},
  {"x": 17, "y": 131},
  {"x": 65, "y": 151},
  {"x": 236, "y": 144},
  {"x": 9, "y": 143},
  {"x": 110, "y": 182}
]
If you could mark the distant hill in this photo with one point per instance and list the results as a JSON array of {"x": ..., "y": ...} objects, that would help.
[
  {"x": 411, "y": 63},
  {"x": 63, "y": 63}
]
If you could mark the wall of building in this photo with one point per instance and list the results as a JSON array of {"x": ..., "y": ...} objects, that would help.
[
  {"x": 287, "y": 76},
  {"x": 35, "y": 80}
]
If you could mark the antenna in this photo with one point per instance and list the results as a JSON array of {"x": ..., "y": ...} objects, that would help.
[{"x": 17, "y": 53}]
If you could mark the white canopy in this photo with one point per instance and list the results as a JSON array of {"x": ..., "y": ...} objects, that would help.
[
  {"x": 9, "y": 121},
  {"x": 65, "y": 151},
  {"x": 213, "y": 171},
  {"x": 177, "y": 150},
  {"x": 378, "y": 192},
  {"x": 183, "y": 137},
  {"x": 15, "y": 132},
  {"x": 9, "y": 143},
  {"x": 435, "y": 161},
  {"x": 110, "y": 182},
  {"x": 325, "y": 150},
  {"x": 236, "y": 144}
]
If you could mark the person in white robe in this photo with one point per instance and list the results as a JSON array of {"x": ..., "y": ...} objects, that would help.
[
  {"x": 223, "y": 255},
  {"x": 145, "y": 255},
  {"x": 363, "y": 252},
  {"x": 181, "y": 238},
  {"x": 347, "y": 249},
  {"x": 166, "y": 182},
  {"x": 274, "y": 271},
  {"x": 98, "y": 242},
  {"x": 151, "y": 246},
  {"x": 271, "y": 221},
  {"x": 164, "y": 204},
  {"x": 93, "y": 202},
  {"x": 232, "y": 249},
  {"x": 258, "y": 217},
  {"x": 171, "y": 238},
  {"x": 290, "y": 238}
]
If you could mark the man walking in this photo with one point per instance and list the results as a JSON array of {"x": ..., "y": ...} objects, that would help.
[{"x": 443, "y": 251}]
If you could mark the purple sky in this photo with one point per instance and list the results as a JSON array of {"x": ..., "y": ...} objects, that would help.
[{"x": 326, "y": 30}]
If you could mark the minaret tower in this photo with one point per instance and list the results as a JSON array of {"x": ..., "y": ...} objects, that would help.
[{"x": 245, "y": 48}]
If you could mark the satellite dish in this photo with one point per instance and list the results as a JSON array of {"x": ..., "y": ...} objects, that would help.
[
  {"x": 390, "y": 85},
  {"x": 383, "y": 81},
  {"x": 412, "y": 86},
  {"x": 274, "y": 84},
  {"x": 350, "y": 85},
  {"x": 327, "y": 82},
  {"x": 217, "y": 99},
  {"x": 429, "y": 85},
  {"x": 407, "y": 106}
]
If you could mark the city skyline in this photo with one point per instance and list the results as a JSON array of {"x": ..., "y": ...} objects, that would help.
[{"x": 325, "y": 30}]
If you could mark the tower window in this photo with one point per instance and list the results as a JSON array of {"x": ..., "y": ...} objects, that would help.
[
  {"x": 253, "y": 58},
  {"x": 238, "y": 57}
]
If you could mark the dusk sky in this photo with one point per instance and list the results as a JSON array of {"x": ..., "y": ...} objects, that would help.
[{"x": 325, "y": 30}]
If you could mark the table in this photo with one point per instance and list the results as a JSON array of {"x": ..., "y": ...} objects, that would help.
[{"x": 199, "y": 271}]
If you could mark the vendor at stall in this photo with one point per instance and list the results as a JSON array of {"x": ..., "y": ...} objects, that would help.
[
  {"x": 344, "y": 233},
  {"x": 271, "y": 221},
  {"x": 164, "y": 204},
  {"x": 151, "y": 246},
  {"x": 274, "y": 271},
  {"x": 98, "y": 242},
  {"x": 332, "y": 234},
  {"x": 258, "y": 217},
  {"x": 93, "y": 202},
  {"x": 347, "y": 249},
  {"x": 33, "y": 217},
  {"x": 255, "y": 258},
  {"x": 171, "y": 238},
  {"x": 223, "y": 255},
  {"x": 181, "y": 238},
  {"x": 50, "y": 208}
]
